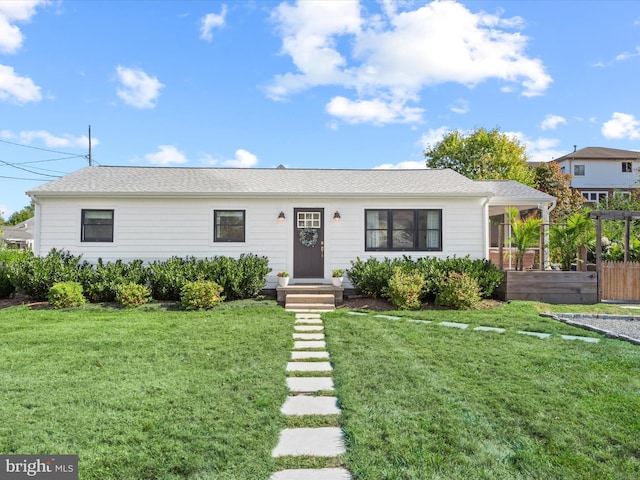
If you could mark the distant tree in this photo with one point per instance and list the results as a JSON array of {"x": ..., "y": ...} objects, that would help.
[
  {"x": 482, "y": 155},
  {"x": 550, "y": 179},
  {"x": 21, "y": 215}
]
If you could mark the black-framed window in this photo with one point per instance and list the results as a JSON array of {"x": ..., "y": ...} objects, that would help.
[
  {"x": 403, "y": 230},
  {"x": 627, "y": 167},
  {"x": 97, "y": 226},
  {"x": 578, "y": 170},
  {"x": 229, "y": 225}
]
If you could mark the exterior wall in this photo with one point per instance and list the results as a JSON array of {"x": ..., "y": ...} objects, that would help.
[
  {"x": 156, "y": 229},
  {"x": 606, "y": 174}
]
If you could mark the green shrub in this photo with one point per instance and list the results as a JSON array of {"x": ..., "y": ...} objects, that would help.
[
  {"x": 459, "y": 291},
  {"x": 405, "y": 289},
  {"x": 483, "y": 271},
  {"x": 101, "y": 281},
  {"x": 201, "y": 294},
  {"x": 7, "y": 257},
  {"x": 66, "y": 295},
  {"x": 131, "y": 295},
  {"x": 36, "y": 275},
  {"x": 370, "y": 277}
]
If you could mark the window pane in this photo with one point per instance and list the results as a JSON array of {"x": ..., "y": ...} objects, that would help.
[
  {"x": 403, "y": 239},
  {"x": 97, "y": 226},
  {"x": 376, "y": 239},
  {"x": 578, "y": 170},
  {"x": 403, "y": 220},
  {"x": 377, "y": 219},
  {"x": 229, "y": 226}
]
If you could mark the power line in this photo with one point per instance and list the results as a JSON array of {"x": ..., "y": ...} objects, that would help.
[
  {"x": 14, "y": 164},
  {"x": 18, "y": 178},
  {"x": 30, "y": 171},
  {"x": 43, "y": 149}
]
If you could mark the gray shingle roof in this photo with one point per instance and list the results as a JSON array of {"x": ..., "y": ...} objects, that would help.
[
  {"x": 600, "y": 153},
  {"x": 513, "y": 189},
  {"x": 101, "y": 180}
]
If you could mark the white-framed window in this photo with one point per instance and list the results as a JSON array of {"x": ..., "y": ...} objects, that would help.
[
  {"x": 308, "y": 220},
  {"x": 578, "y": 170},
  {"x": 627, "y": 167},
  {"x": 595, "y": 197}
]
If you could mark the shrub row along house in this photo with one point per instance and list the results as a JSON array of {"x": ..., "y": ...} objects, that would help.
[{"x": 305, "y": 221}]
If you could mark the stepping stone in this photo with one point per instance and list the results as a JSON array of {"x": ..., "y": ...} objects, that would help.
[
  {"x": 305, "y": 405},
  {"x": 388, "y": 317},
  {"x": 536, "y": 334},
  {"x": 312, "y": 474},
  {"x": 308, "y": 328},
  {"x": 309, "y": 367},
  {"x": 419, "y": 321},
  {"x": 309, "y": 384},
  {"x": 582, "y": 339},
  {"x": 304, "y": 344},
  {"x": 357, "y": 313},
  {"x": 308, "y": 355},
  {"x": 490, "y": 329},
  {"x": 309, "y": 321},
  {"x": 454, "y": 325},
  {"x": 315, "y": 442},
  {"x": 307, "y": 315},
  {"x": 308, "y": 336}
]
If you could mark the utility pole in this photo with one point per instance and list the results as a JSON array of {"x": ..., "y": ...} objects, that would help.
[{"x": 90, "y": 160}]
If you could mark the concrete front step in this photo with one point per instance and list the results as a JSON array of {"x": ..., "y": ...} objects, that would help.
[{"x": 306, "y": 307}]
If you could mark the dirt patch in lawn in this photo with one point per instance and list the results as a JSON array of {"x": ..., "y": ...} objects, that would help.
[
  {"x": 22, "y": 300},
  {"x": 382, "y": 305}
]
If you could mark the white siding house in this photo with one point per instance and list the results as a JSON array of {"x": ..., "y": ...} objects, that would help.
[
  {"x": 599, "y": 172},
  {"x": 305, "y": 221}
]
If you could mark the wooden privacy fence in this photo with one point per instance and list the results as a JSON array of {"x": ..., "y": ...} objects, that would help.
[{"x": 620, "y": 281}]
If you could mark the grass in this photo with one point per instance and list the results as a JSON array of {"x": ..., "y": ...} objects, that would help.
[
  {"x": 146, "y": 393},
  {"x": 158, "y": 393},
  {"x": 425, "y": 401}
]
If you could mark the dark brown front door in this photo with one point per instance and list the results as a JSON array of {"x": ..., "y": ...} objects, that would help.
[{"x": 308, "y": 243}]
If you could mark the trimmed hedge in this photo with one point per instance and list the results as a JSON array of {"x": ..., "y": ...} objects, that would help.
[{"x": 371, "y": 277}]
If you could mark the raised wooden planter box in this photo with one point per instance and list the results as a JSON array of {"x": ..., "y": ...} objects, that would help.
[{"x": 549, "y": 286}]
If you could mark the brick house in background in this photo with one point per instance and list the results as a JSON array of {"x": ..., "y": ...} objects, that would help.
[{"x": 599, "y": 172}]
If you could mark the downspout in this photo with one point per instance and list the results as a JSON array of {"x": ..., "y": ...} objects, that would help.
[
  {"x": 36, "y": 226},
  {"x": 486, "y": 231}
]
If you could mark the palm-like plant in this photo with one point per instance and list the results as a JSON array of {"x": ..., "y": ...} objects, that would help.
[
  {"x": 567, "y": 239},
  {"x": 525, "y": 233}
]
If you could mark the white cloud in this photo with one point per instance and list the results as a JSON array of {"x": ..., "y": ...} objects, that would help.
[
  {"x": 622, "y": 125},
  {"x": 166, "y": 155},
  {"x": 408, "y": 165},
  {"x": 137, "y": 89},
  {"x": 11, "y": 36},
  {"x": 211, "y": 21},
  {"x": 460, "y": 106},
  {"x": 627, "y": 55},
  {"x": 551, "y": 122},
  {"x": 5, "y": 211},
  {"x": 243, "y": 159},
  {"x": 374, "y": 111},
  {"x": 395, "y": 54},
  {"x": 50, "y": 140},
  {"x": 17, "y": 89},
  {"x": 432, "y": 137},
  {"x": 539, "y": 149}
]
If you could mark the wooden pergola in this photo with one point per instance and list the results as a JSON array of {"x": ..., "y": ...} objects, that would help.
[{"x": 599, "y": 215}]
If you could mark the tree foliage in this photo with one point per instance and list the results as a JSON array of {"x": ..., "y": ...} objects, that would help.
[
  {"x": 525, "y": 233},
  {"x": 21, "y": 215},
  {"x": 565, "y": 240},
  {"x": 482, "y": 155},
  {"x": 550, "y": 179}
]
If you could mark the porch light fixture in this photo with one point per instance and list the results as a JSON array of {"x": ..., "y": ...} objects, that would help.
[
  {"x": 336, "y": 216},
  {"x": 281, "y": 216}
]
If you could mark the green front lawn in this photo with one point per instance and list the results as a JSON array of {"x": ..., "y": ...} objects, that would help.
[
  {"x": 423, "y": 401},
  {"x": 155, "y": 393},
  {"x": 146, "y": 394}
]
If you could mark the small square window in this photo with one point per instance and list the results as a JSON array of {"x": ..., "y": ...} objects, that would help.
[
  {"x": 627, "y": 167},
  {"x": 578, "y": 170},
  {"x": 97, "y": 226},
  {"x": 229, "y": 226}
]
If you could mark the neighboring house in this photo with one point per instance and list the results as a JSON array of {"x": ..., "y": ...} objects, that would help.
[
  {"x": 20, "y": 235},
  {"x": 306, "y": 221},
  {"x": 600, "y": 172}
]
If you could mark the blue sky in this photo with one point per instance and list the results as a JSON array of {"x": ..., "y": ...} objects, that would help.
[{"x": 309, "y": 84}]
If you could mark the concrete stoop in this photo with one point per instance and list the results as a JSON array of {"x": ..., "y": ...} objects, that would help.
[
  {"x": 303, "y": 302},
  {"x": 309, "y": 348}
]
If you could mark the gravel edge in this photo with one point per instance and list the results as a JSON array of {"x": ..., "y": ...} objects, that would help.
[{"x": 568, "y": 318}]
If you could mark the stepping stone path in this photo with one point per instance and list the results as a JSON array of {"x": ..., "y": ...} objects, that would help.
[
  {"x": 310, "y": 355},
  {"x": 464, "y": 326}
]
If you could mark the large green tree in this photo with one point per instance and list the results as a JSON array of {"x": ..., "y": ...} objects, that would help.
[
  {"x": 21, "y": 215},
  {"x": 482, "y": 155},
  {"x": 550, "y": 179}
]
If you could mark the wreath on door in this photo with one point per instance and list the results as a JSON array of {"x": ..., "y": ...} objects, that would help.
[{"x": 308, "y": 236}]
